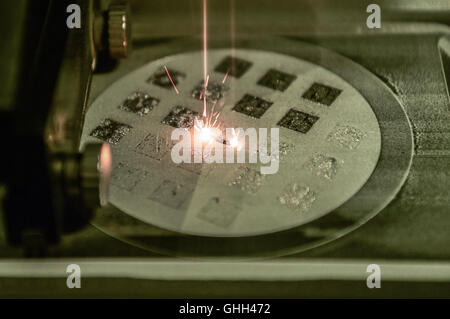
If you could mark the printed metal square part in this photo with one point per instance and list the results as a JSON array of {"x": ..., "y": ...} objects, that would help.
[
  {"x": 252, "y": 106},
  {"x": 180, "y": 117},
  {"x": 298, "y": 121},
  {"x": 277, "y": 80},
  {"x": 233, "y": 66},
  {"x": 171, "y": 194},
  {"x": 214, "y": 91},
  {"x": 322, "y": 94},
  {"x": 218, "y": 212},
  {"x": 346, "y": 136},
  {"x": 297, "y": 197},
  {"x": 247, "y": 179},
  {"x": 322, "y": 165},
  {"x": 139, "y": 103},
  {"x": 127, "y": 177},
  {"x": 160, "y": 78},
  {"x": 154, "y": 146},
  {"x": 110, "y": 131}
]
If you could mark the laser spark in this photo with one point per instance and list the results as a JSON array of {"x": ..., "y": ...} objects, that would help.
[
  {"x": 170, "y": 78},
  {"x": 234, "y": 141},
  {"x": 207, "y": 126},
  {"x": 225, "y": 77},
  {"x": 205, "y": 58},
  {"x": 205, "y": 41}
]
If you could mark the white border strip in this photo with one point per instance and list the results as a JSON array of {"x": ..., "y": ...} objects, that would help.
[{"x": 228, "y": 270}]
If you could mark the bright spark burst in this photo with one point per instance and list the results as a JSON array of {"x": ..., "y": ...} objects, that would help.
[
  {"x": 203, "y": 125},
  {"x": 208, "y": 126},
  {"x": 206, "y": 133},
  {"x": 234, "y": 141}
]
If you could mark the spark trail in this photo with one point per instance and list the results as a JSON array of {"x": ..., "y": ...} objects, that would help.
[
  {"x": 208, "y": 125},
  {"x": 225, "y": 77},
  {"x": 170, "y": 78},
  {"x": 205, "y": 57}
]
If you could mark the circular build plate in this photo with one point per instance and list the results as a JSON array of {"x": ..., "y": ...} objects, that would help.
[{"x": 330, "y": 142}]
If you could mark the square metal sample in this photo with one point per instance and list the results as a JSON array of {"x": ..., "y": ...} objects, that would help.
[
  {"x": 297, "y": 197},
  {"x": 171, "y": 194},
  {"x": 284, "y": 149},
  {"x": 277, "y": 80},
  {"x": 180, "y": 117},
  {"x": 218, "y": 212},
  {"x": 322, "y": 165},
  {"x": 154, "y": 146},
  {"x": 298, "y": 121},
  {"x": 214, "y": 91},
  {"x": 127, "y": 177},
  {"x": 252, "y": 106},
  {"x": 322, "y": 94},
  {"x": 160, "y": 78},
  {"x": 139, "y": 103},
  {"x": 110, "y": 131},
  {"x": 234, "y": 66},
  {"x": 346, "y": 136},
  {"x": 248, "y": 180}
]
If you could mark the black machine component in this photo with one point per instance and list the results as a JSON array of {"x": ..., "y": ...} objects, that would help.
[{"x": 52, "y": 188}]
